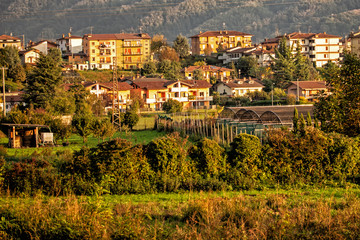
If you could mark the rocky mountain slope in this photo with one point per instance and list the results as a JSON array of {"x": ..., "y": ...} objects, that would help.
[{"x": 49, "y": 19}]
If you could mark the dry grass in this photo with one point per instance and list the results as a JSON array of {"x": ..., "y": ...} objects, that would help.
[{"x": 266, "y": 216}]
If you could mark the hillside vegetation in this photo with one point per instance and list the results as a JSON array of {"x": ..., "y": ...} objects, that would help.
[{"x": 263, "y": 18}]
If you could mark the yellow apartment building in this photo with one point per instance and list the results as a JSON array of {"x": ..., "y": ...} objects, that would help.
[
  {"x": 6, "y": 40},
  {"x": 208, "y": 42},
  {"x": 191, "y": 93},
  {"x": 129, "y": 50}
]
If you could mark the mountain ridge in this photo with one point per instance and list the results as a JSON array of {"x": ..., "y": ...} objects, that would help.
[{"x": 45, "y": 19}]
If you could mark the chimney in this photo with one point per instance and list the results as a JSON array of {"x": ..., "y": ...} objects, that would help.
[
  {"x": 63, "y": 35},
  {"x": 11, "y": 34},
  {"x": 69, "y": 34}
]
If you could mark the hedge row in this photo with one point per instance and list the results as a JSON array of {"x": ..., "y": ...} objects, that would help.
[{"x": 172, "y": 163}]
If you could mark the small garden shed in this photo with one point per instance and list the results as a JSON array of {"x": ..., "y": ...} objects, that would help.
[{"x": 28, "y": 135}]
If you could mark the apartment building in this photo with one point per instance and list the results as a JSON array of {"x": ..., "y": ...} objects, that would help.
[
  {"x": 156, "y": 91},
  {"x": 319, "y": 47},
  {"x": 6, "y": 40},
  {"x": 355, "y": 43},
  {"x": 209, "y": 42},
  {"x": 129, "y": 50}
]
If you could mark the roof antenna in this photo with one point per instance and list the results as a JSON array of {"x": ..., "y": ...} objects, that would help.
[{"x": 224, "y": 26}]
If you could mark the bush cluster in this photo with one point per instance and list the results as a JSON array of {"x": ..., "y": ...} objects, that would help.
[{"x": 171, "y": 163}]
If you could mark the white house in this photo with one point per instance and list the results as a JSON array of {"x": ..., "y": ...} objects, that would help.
[
  {"x": 238, "y": 87},
  {"x": 70, "y": 44}
]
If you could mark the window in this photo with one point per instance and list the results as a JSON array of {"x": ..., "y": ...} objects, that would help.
[
  {"x": 312, "y": 56},
  {"x": 326, "y": 40},
  {"x": 93, "y": 59},
  {"x": 93, "y": 51},
  {"x": 326, "y": 48},
  {"x": 93, "y": 43},
  {"x": 325, "y": 55}
]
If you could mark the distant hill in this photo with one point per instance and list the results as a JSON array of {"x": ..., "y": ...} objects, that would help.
[{"x": 48, "y": 19}]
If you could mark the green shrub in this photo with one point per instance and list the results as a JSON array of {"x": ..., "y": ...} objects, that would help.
[
  {"x": 168, "y": 158},
  {"x": 172, "y": 106},
  {"x": 209, "y": 158},
  {"x": 244, "y": 160}
]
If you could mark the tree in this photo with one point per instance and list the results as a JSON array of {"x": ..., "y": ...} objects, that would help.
[
  {"x": 296, "y": 121},
  {"x": 198, "y": 74},
  {"x": 340, "y": 111},
  {"x": 103, "y": 128},
  {"x": 168, "y": 53},
  {"x": 131, "y": 118},
  {"x": 200, "y": 63},
  {"x": 149, "y": 68},
  {"x": 157, "y": 42},
  {"x": 9, "y": 58},
  {"x": 172, "y": 106},
  {"x": 171, "y": 70},
  {"x": 43, "y": 81},
  {"x": 181, "y": 46},
  {"x": 83, "y": 124},
  {"x": 246, "y": 64}
]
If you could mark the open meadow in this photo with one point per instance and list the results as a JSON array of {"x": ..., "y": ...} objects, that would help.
[{"x": 269, "y": 214}]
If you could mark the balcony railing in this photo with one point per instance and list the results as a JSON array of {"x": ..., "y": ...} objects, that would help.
[
  {"x": 132, "y": 45},
  {"x": 180, "y": 99},
  {"x": 133, "y": 53},
  {"x": 104, "y": 46},
  {"x": 132, "y": 61}
]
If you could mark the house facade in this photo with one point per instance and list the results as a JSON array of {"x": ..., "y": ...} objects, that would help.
[
  {"x": 238, "y": 87},
  {"x": 128, "y": 50},
  {"x": 307, "y": 89},
  {"x": 208, "y": 71},
  {"x": 43, "y": 46},
  {"x": 69, "y": 44},
  {"x": 263, "y": 56},
  {"x": 355, "y": 43},
  {"x": 191, "y": 93},
  {"x": 29, "y": 56},
  {"x": 6, "y": 40},
  {"x": 208, "y": 42},
  {"x": 318, "y": 47}
]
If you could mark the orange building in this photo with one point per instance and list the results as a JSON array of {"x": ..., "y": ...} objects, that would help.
[{"x": 6, "y": 40}]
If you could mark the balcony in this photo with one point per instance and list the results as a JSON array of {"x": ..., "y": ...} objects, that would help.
[
  {"x": 156, "y": 100},
  {"x": 105, "y": 54},
  {"x": 133, "y": 53},
  {"x": 177, "y": 89},
  {"x": 132, "y": 61},
  {"x": 132, "y": 44},
  {"x": 104, "y": 46},
  {"x": 200, "y": 98}
]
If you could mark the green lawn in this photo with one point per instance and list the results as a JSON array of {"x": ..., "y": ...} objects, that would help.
[{"x": 76, "y": 143}]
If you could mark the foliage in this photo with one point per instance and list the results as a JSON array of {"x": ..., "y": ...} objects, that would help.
[
  {"x": 131, "y": 118},
  {"x": 168, "y": 53},
  {"x": 103, "y": 128},
  {"x": 209, "y": 158},
  {"x": 246, "y": 65},
  {"x": 200, "y": 63},
  {"x": 9, "y": 58},
  {"x": 198, "y": 75},
  {"x": 312, "y": 157},
  {"x": 172, "y": 106},
  {"x": 149, "y": 68},
  {"x": 181, "y": 46},
  {"x": 244, "y": 159},
  {"x": 167, "y": 158},
  {"x": 339, "y": 111},
  {"x": 43, "y": 81},
  {"x": 169, "y": 69},
  {"x": 83, "y": 124},
  {"x": 157, "y": 42}
]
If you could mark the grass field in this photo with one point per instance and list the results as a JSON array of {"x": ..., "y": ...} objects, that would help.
[
  {"x": 271, "y": 214},
  {"x": 76, "y": 143}
]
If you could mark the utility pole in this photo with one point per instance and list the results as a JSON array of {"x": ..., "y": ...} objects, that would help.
[
  {"x": 4, "y": 102},
  {"x": 297, "y": 90}
]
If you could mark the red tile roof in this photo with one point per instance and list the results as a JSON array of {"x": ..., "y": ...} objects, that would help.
[
  {"x": 241, "y": 83},
  {"x": 207, "y": 68},
  {"x": 298, "y": 35},
  {"x": 152, "y": 85},
  {"x": 311, "y": 84},
  {"x": 221, "y": 33},
  {"x": 117, "y": 36},
  {"x": 7, "y": 37}
]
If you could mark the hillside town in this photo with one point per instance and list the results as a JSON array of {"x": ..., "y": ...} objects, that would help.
[{"x": 225, "y": 64}]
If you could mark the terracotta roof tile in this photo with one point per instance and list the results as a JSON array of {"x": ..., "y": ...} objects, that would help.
[
  {"x": 117, "y": 36},
  {"x": 208, "y": 68},
  {"x": 311, "y": 84},
  {"x": 221, "y": 33},
  {"x": 7, "y": 37}
]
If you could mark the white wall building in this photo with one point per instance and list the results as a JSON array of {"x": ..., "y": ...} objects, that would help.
[{"x": 70, "y": 44}]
